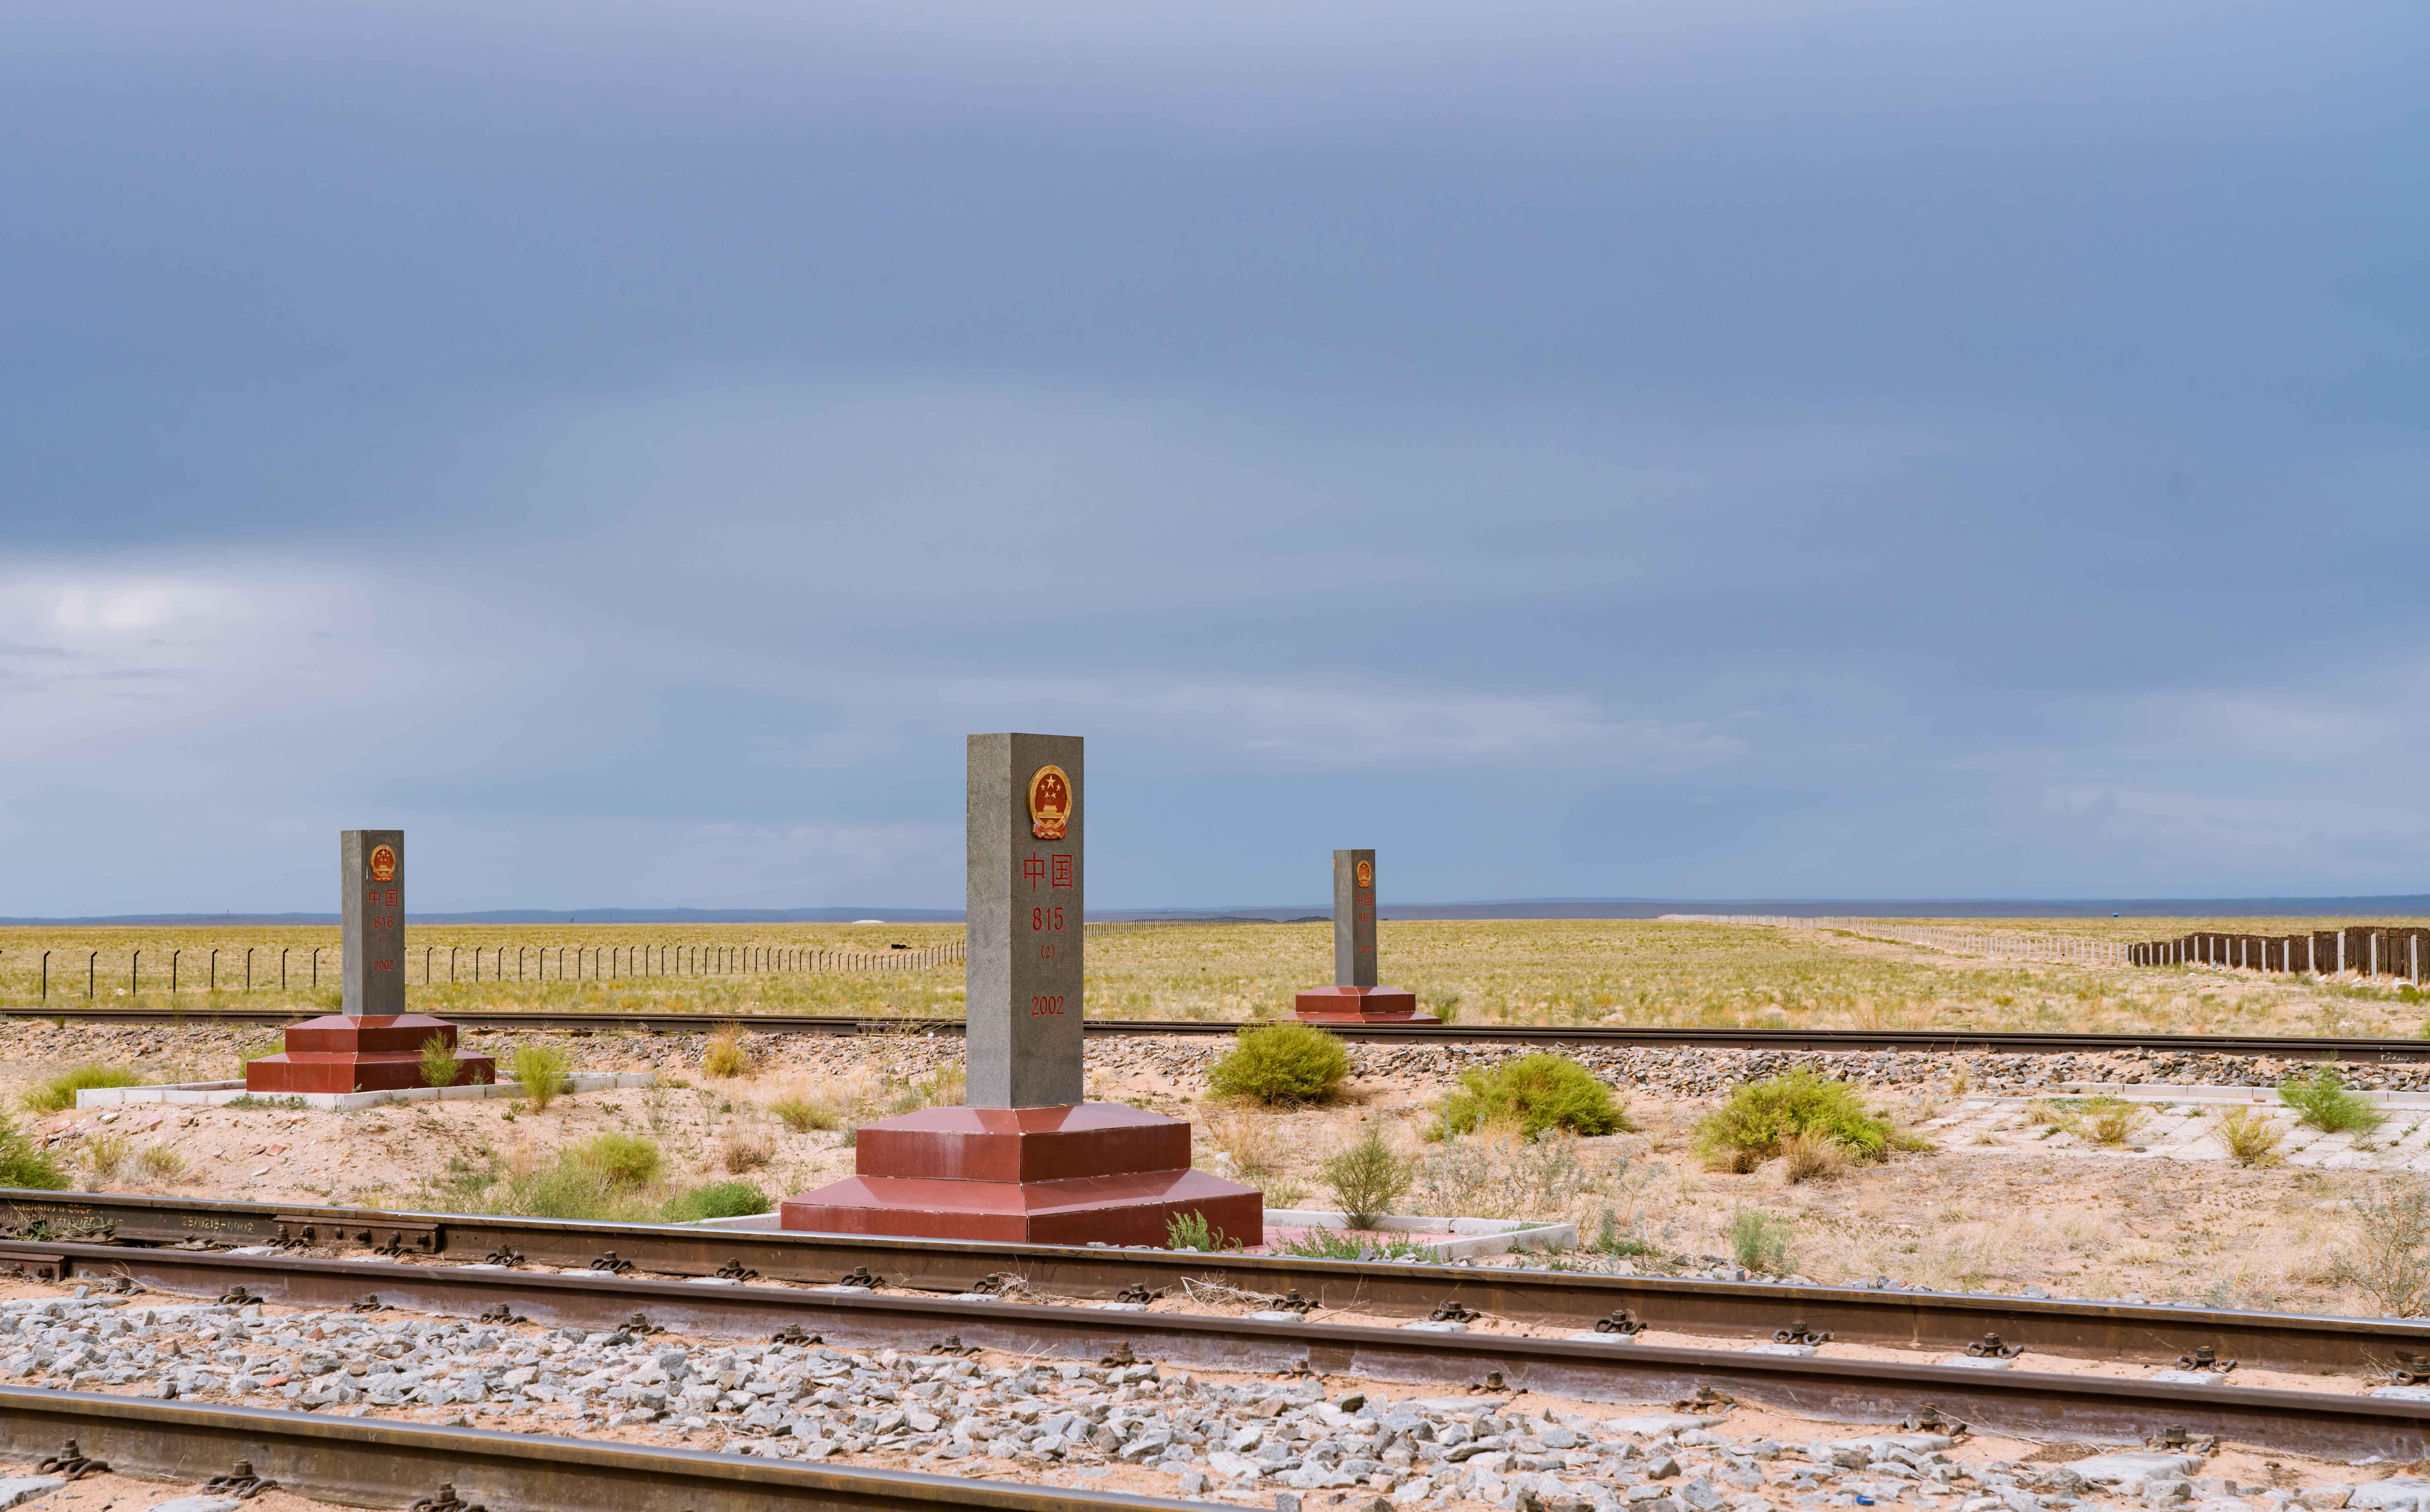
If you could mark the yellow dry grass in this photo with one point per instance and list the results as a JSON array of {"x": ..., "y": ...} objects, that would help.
[{"x": 1622, "y": 972}]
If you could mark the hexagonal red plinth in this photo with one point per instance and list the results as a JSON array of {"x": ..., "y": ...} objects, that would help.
[
  {"x": 1096, "y": 1171},
  {"x": 371, "y": 1052},
  {"x": 1359, "y": 1004}
]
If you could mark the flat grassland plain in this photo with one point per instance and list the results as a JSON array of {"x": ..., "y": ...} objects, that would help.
[
  {"x": 2014, "y": 1190},
  {"x": 1617, "y": 971}
]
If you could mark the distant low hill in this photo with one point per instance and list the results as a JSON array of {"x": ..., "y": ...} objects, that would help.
[{"x": 2406, "y": 905}]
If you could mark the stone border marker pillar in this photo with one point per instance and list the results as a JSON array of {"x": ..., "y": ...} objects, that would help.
[
  {"x": 372, "y": 1044},
  {"x": 1354, "y": 997},
  {"x": 1029, "y": 1160}
]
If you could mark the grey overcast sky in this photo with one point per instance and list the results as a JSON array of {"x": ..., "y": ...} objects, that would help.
[{"x": 1706, "y": 449}]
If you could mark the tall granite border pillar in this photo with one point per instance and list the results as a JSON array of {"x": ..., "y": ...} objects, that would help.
[
  {"x": 1354, "y": 996},
  {"x": 1028, "y": 1161},
  {"x": 372, "y": 1044}
]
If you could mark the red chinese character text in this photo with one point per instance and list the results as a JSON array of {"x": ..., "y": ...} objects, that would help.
[
  {"x": 1062, "y": 871},
  {"x": 1035, "y": 870}
]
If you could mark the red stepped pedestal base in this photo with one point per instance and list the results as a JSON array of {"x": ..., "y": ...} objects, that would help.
[
  {"x": 1359, "y": 1004},
  {"x": 373, "y": 1053},
  {"x": 1027, "y": 1175}
]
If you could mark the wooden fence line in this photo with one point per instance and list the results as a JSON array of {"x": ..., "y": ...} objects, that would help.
[{"x": 2364, "y": 949}]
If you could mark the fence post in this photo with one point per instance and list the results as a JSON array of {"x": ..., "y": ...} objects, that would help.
[
  {"x": 134, "y": 964},
  {"x": 316, "y": 968},
  {"x": 90, "y": 967},
  {"x": 215, "y": 971},
  {"x": 282, "y": 968},
  {"x": 46, "y": 976},
  {"x": 248, "y": 967},
  {"x": 2374, "y": 954}
]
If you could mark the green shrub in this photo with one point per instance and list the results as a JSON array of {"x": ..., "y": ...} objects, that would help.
[
  {"x": 23, "y": 1165},
  {"x": 440, "y": 1067},
  {"x": 725, "y": 1054},
  {"x": 1532, "y": 1093},
  {"x": 1189, "y": 1231},
  {"x": 569, "y": 1189},
  {"x": 1325, "y": 1244},
  {"x": 1760, "y": 1117},
  {"x": 59, "y": 1094},
  {"x": 627, "y": 1159},
  {"x": 1368, "y": 1178},
  {"x": 1281, "y": 1063},
  {"x": 2320, "y": 1100},
  {"x": 1758, "y": 1240},
  {"x": 719, "y": 1199},
  {"x": 541, "y": 1069}
]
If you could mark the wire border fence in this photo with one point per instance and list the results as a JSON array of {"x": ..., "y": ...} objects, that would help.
[{"x": 300, "y": 967}]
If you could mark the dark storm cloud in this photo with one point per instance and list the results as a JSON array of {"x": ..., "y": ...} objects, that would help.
[{"x": 1694, "y": 450}]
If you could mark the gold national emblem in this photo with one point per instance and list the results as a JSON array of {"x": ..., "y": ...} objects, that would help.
[
  {"x": 1050, "y": 802},
  {"x": 383, "y": 863},
  {"x": 1366, "y": 873}
]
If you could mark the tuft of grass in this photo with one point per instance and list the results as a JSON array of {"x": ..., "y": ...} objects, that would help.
[
  {"x": 1279, "y": 1064},
  {"x": 1805, "y": 1157},
  {"x": 802, "y": 1113},
  {"x": 1368, "y": 1178},
  {"x": 59, "y": 1094},
  {"x": 1758, "y": 1240},
  {"x": 160, "y": 1163},
  {"x": 1531, "y": 1093},
  {"x": 628, "y": 1160},
  {"x": 571, "y": 1189},
  {"x": 105, "y": 1154},
  {"x": 1188, "y": 1231},
  {"x": 2250, "y": 1135},
  {"x": 1325, "y": 1244},
  {"x": 2320, "y": 1099},
  {"x": 2389, "y": 1258},
  {"x": 746, "y": 1150},
  {"x": 1761, "y": 1116},
  {"x": 725, "y": 1054},
  {"x": 439, "y": 1065},
  {"x": 719, "y": 1199},
  {"x": 2108, "y": 1119},
  {"x": 541, "y": 1072}
]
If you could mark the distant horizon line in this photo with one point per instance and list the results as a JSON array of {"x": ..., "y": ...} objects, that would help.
[{"x": 1514, "y": 908}]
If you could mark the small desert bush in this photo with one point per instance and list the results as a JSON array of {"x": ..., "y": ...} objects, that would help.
[
  {"x": 1368, "y": 1178},
  {"x": 2389, "y": 1258},
  {"x": 439, "y": 1065},
  {"x": 719, "y": 1199},
  {"x": 1189, "y": 1231},
  {"x": 570, "y": 1188},
  {"x": 541, "y": 1070},
  {"x": 160, "y": 1163},
  {"x": 802, "y": 1113},
  {"x": 1532, "y": 1093},
  {"x": 726, "y": 1055},
  {"x": 105, "y": 1154},
  {"x": 2320, "y": 1099},
  {"x": 1280, "y": 1064},
  {"x": 1325, "y": 1244},
  {"x": 2250, "y": 1135},
  {"x": 1811, "y": 1157},
  {"x": 628, "y": 1160},
  {"x": 22, "y": 1165},
  {"x": 746, "y": 1150},
  {"x": 1758, "y": 1240},
  {"x": 1761, "y": 1116},
  {"x": 1502, "y": 1176},
  {"x": 59, "y": 1094},
  {"x": 2106, "y": 1120},
  {"x": 945, "y": 1086}
]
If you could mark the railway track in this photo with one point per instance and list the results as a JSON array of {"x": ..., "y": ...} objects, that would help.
[
  {"x": 469, "y": 1266},
  {"x": 1592, "y": 1368},
  {"x": 2353, "y": 1049},
  {"x": 1723, "y": 1309},
  {"x": 386, "y": 1462}
]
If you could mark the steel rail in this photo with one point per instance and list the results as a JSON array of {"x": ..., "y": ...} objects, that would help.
[
  {"x": 1609, "y": 1368},
  {"x": 389, "y": 1462},
  {"x": 2357, "y": 1049},
  {"x": 1948, "y": 1320}
]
